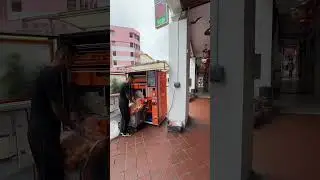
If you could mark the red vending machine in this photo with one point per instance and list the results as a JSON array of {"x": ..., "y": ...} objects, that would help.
[
  {"x": 157, "y": 90},
  {"x": 153, "y": 85}
]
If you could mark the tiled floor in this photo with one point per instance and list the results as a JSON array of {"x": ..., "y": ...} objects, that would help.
[
  {"x": 155, "y": 154},
  {"x": 287, "y": 149}
]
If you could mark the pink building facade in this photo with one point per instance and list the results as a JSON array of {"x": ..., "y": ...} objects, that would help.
[
  {"x": 125, "y": 47},
  {"x": 13, "y": 11}
]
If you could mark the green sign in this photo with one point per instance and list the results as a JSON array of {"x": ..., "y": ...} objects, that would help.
[{"x": 161, "y": 13}]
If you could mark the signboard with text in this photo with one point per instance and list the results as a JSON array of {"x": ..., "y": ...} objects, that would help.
[{"x": 161, "y": 13}]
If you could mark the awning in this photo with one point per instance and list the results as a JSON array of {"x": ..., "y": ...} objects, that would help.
[
  {"x": 85, "y": 20},
  {"x": 158, "y": 66}
]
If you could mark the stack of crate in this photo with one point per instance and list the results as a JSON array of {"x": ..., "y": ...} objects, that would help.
[
  {"x": 263, "y": 106},
  {"x": 266, "y": 96}
]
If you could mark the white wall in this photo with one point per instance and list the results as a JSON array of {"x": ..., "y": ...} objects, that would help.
[
  {"x": 263, "y": 41},
  {"x": 123, "y": 58}
]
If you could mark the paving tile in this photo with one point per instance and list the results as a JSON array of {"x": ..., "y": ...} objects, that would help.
[
  {"x": 148, "y": 177},
  {"x": 188, "y": 176},
  {"x": 170, "y": 174},
  {"x": 131, "y": 174},
  {"x": 116, "y": 176},
  {"x": 154, "y": 153}
]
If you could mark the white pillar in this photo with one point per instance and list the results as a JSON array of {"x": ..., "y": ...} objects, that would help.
[
  {"x": 231, "y": 105},
  {"x": 179, "y": 73},
  {"x": 263, "y": 41},
  {"x": 192, "y": 74}
]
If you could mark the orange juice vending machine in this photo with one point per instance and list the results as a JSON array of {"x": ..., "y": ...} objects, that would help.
[{"x": 153, "y": 85}]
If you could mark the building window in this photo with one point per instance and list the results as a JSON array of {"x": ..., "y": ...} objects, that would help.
[
  {"x": 84, "y": 4},
  {"x": 25, "y": 25},
  {"x": 115, "y": 63},
  {"x": 138, "y": 38},
  {"x": 36, "y": 25},
  {"x": 16, "y": 6},
  {"x": 131, "y": 35},
  {"x": 94, "y": 4},
  {"x": 112, "y": 33},
  {"x": 72, "y": 5},
  {"x": 131, "y": 44},
  {"x": 64, "y": 26},
  {"x": 131, "y": 54},
  {"x": 114, "y": 53}
]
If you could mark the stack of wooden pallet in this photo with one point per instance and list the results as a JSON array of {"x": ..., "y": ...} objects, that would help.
[{"x": 77, "y": 145}]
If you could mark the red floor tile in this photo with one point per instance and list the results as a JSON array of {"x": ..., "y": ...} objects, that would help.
[
  {"x": 287, "y": 149},
  {"x": 154, "y": 153}
]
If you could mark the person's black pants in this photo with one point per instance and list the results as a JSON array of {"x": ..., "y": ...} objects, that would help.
[
  {"x": 125, "y": 117},
  {"x": 47, "y": 155}
]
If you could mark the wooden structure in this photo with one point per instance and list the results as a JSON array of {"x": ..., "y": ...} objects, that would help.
[{"x": 86, "y": 84}]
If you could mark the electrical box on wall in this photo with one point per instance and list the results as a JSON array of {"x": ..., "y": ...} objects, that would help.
[
  {"x": 217, "y": 74},
  {"x": 257, "y": 66}
]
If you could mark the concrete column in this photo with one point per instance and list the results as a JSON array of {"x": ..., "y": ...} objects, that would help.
[
  {"x": 317, "y": 58},
  {"x": 231, "y": 106},
  {"x": 317, "y": 68},
  {"x": 178, "y": 74},
  {"x": 263, "y": 42}
]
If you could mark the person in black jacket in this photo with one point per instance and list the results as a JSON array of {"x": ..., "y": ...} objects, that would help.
[
  {"x": 47, "y": 115},
  {"x": 124, "y": 100}
]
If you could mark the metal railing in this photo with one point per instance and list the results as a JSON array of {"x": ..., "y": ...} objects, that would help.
[{"x": 14, "y": 118}]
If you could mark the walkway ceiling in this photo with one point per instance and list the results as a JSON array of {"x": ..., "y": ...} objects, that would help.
[
  {"x": 295, "y": 17},
  {"x": 189, "y": 4},
  {"x": 286, "y": 6},
  {"x": 199, "y": 23},
  {"x": 84, "y": 20}
]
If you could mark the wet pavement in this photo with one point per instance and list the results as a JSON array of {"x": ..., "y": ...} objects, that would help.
[
  {"x": 287, "y": 149},
  {"x": 153, "y": 153}
]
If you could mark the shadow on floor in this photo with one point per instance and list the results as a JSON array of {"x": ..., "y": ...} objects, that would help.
[
  {"x": 286, "y": 149},
  {"x": 289, "y": 148}
]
